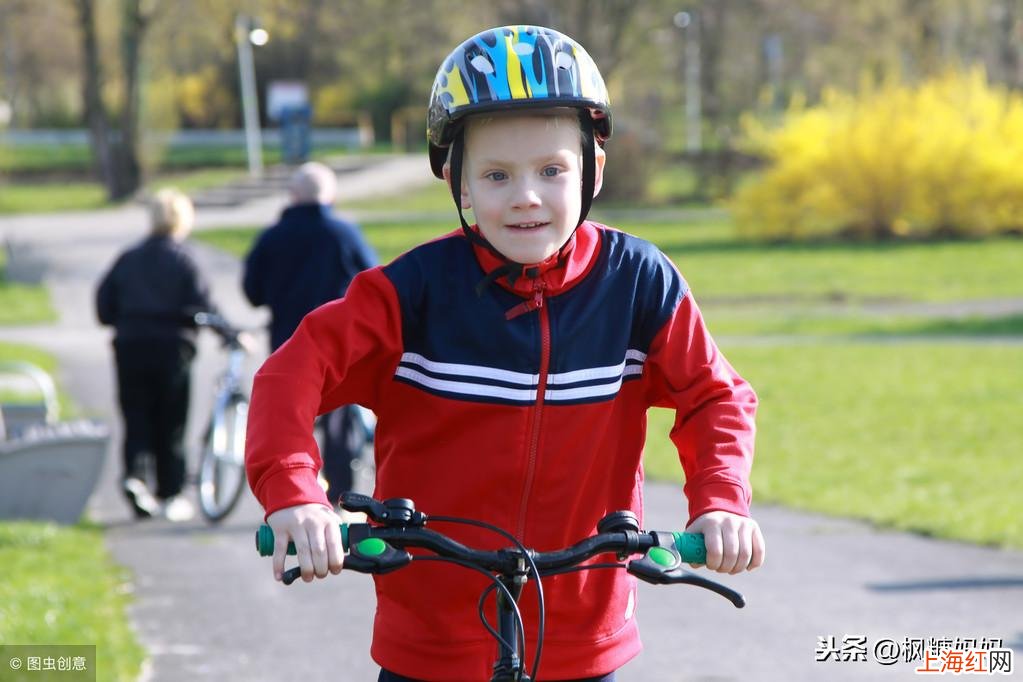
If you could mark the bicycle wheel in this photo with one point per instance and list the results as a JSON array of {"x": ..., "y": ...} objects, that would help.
[{"x": 222, "y": 467}]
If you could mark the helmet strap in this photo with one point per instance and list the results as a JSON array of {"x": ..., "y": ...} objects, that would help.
[{"x": 589, "y": 164}]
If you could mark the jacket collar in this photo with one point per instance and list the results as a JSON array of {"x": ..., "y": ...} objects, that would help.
[
  {"x": 557, "y": 274},
  {"x": 307, "y": 209}
]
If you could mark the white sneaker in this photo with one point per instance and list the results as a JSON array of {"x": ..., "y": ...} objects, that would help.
[
  {"x": 178, "y": 509},
  {"x": 142, "y": 500}
]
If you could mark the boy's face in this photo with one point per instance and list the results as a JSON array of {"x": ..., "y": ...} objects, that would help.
[{"x": 523, "y": 179}]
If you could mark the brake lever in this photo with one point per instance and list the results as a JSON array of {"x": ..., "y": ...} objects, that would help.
[
  {"x": 392, "y": 512},
  {"x": 666, "y": 569},
  {"x": 355, "y": 502}
]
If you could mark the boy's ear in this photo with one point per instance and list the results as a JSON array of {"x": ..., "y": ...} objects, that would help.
[
  {"x": 598, "y": 175},
  {"x": 466, "y": 203}
]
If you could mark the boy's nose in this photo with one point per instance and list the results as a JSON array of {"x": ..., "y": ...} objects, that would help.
[{"x": 525, "y": 195}]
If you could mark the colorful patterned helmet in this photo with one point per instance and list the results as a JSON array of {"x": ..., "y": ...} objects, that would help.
[{"x": 513, "y": 67}]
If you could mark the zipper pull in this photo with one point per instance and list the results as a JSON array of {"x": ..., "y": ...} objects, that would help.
[{"x": 528, "y": 305}]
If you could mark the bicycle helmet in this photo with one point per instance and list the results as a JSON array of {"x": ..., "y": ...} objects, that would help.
[{"x": 509, "y": 68}]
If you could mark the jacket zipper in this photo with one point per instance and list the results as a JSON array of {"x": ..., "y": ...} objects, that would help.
[{"x": 536, "y": 303}]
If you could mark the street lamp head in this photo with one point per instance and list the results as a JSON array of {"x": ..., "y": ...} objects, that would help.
[
  {"x": 682, "y": 19},
  {"x": 259, "y": 37}
]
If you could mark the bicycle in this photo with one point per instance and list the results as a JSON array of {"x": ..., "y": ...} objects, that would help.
[
  {"x": 221, "y": 474},
  {"x": 380, "y": 549}
]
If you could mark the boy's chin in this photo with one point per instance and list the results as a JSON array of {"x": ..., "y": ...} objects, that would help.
[
  {"x": 530, "y": 254},
  {"x": 530, "y": 257}
]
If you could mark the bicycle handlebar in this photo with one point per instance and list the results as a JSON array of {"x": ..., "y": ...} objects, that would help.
[
  {"x": 690, "y": 546},
  {"x": 381, "y": 549},
  {"x": 218, "y": 324}
]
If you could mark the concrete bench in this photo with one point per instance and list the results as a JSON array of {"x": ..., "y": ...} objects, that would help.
[
  {"x": 27, "y": 397},
  {"x": 48, "y": 469}
]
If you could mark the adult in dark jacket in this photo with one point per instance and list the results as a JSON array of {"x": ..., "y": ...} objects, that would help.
[
  {"x": 305, "y": 260},
  {"x": 149, "y": 296}
]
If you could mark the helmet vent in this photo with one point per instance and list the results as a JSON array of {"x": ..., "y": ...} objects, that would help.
[
  {"x": 564, "y": 60},
  {"x": 482, "y": 64},
  {"x": 523, "y": 49}
]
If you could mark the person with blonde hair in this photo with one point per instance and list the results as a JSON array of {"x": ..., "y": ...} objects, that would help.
[{"x": 150, "y": 296}]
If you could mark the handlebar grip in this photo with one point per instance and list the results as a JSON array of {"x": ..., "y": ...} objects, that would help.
[
  {"x": 265, "y": 540},
  {"x": 691, "y": 547}
]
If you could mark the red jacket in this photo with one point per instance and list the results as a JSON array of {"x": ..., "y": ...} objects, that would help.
[{"x": 523, "y": 406}]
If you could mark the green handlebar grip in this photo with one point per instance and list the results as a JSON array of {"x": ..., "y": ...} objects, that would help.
[
  {"x": 265, "y": 540},
  {"x": 691, "y": 547}
]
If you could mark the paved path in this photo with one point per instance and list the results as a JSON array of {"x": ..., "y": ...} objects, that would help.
[{"x": 206, "y": 608}]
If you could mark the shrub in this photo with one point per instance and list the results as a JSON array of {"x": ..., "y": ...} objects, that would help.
[{"x": 943, "y": 158}]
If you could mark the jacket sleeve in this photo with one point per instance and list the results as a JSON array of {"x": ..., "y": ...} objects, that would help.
[
  {"x": 106, "y": 298},
  {"x": 341, "y": 353},
  {"x": 365, "y": 256},
  {"x": 253, "y": 277},
  {"x": 196, "y": 291},
  {"x": 715, "y": 409}
]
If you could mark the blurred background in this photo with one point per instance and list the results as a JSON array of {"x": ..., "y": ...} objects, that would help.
[
  {"x": 152, "y": 86},
  {"x": 840, "y": 182}
]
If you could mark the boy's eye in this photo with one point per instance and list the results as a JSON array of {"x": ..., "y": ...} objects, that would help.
[
  {"x": 551, "y": 171},
  {"x": 496, "y": 176}
]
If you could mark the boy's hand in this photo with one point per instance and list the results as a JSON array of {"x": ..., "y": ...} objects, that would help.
[
  {"x": 314, "y": 530},
  {"x": 734, "y": 543}
]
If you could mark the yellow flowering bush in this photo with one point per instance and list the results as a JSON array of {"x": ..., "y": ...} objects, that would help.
[{"x": 944, "y": 157}]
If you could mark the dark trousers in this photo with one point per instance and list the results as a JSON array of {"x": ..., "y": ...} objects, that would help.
[
  {"x": 343, "y": 439},
  {"x": 388, "y": 676},
  {"x": 153, "y": 383}
]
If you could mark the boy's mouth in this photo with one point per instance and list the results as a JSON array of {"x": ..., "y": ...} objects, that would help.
[{"x": 526, "y": 226}]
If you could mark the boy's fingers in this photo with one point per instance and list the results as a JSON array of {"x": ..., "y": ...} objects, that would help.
[
  {"x": 715, "y": 548},
  {"x": 280, "y": 553},
  {"x": 729, "y": 549},
  {"x": 318, "y": 553},
  {"x": 759, "y": 549},
  {"x": 745, "y": 549},
  {"x": 335, "y": 550},
  {"x": 304, "y": 556}
]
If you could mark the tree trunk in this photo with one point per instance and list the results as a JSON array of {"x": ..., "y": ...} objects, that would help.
[
  {"x": 114, "y": 147},
  {"x": 92, "y": 82},
  {"x": 133, "y": 28}
]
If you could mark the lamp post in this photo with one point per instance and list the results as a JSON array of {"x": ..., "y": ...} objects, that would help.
[
  {"x": 690, "y": 26},
  {"x": 246, "y": 34}
]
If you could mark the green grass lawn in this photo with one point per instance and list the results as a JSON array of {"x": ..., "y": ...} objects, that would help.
[
  {"x": 919, "y": 436},
  {"x": 744, "y": 320},
  {"x": 61, "y": 587},
  {"x": 22, "y": 303},
  {"x": 51, "y": 196}
]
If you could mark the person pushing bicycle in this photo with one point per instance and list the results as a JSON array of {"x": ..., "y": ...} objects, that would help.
[{"x": 511, "y": 364}]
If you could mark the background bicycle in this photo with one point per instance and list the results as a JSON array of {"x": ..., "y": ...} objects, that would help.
[{"x": 220, "y": 478}]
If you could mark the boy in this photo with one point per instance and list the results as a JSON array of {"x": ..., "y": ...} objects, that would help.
[{"x": 510, "y": 365}]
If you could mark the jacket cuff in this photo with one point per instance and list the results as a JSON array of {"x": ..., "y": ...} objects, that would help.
[
  {"x": 722, "y": 496},
  {"x": 291, "y": 487}
]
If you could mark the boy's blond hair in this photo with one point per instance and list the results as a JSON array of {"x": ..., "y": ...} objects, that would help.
[
  {"x": 554, "y": 117},
  {"x": 172, "y": 213}
]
